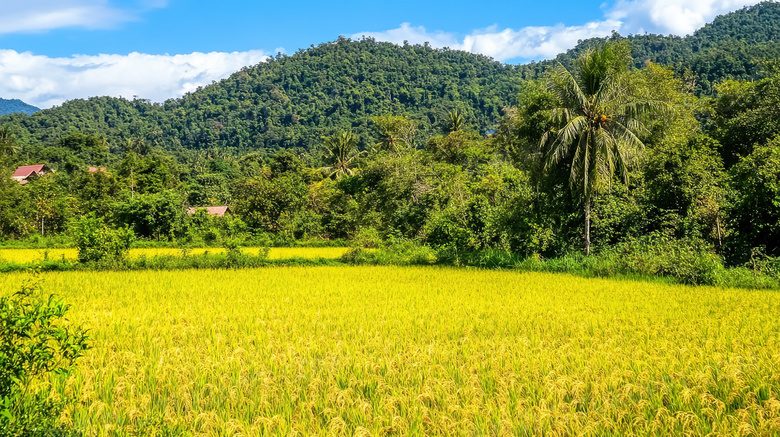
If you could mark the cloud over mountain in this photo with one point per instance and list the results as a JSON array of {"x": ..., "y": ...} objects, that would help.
[
  {"x": 670, "y": 16},
  {"x": 45, "y": 82},
  {"x": 545, "y": 42}
]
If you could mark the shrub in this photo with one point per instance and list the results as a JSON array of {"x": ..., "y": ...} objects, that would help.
[
  {"x": 233, "y": 252},
  {"x": 488, "y": 258},
  {"x": 96, "y": 242},
  {"x": 761, "y": 264},
  {"x": 33, "y": 344},
  {"x": 688, "y": 260},
  {"x": 400, "y": 252},
  {"x": 367, "y": 238}
]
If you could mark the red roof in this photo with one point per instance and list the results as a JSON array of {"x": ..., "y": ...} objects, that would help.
[
  {"x": 97, "y": 169},
  {"x": 26, "y": 170},
  {"x": 218, "y": 211}
]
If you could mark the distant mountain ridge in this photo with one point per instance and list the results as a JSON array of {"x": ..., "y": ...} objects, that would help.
[
  {"x": 733, "y": 46},
  {"x": 292, "y": 101},
  {"x": 12, "y": 106}
]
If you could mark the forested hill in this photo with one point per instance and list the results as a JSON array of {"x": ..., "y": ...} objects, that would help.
[
  {"x": 732, "y": 46},
  {"x": 15, "y": 105},
  {"x": 292, "y": 101}
]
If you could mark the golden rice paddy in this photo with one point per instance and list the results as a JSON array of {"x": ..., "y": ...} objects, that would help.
[
  {"x": 362, "y": 351},
  {"x": 35, "y": 255}
]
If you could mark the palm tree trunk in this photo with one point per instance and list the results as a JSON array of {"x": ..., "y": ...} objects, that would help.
[{"x": 587, "y": 225}]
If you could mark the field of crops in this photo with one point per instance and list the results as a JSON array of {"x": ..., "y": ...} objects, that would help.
[
  {"x": 34, "y": 255},
  {"x": 417, "y": 351}
]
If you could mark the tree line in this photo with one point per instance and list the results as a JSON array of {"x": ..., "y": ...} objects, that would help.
[
  {"x": 592, "y": 157},
  {"x": 290, "y": 102}
]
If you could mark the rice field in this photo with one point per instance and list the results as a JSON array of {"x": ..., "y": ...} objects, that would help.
[
  {"x": 363, "y": 351},
  {"x": 35, "y": 255}
]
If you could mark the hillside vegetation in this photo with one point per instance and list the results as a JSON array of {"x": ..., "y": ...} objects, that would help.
[
  {"x": 291, "y": 101},
  {"x": 733, "y": 46},
  {"x": 598, "y": 156}
]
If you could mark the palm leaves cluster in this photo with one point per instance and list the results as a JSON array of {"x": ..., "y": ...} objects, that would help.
[
  {"x": 601, "y": 116},
  {"x": 396, "y": 133},
  {"x": 342, "y": 152},
  {"x": 8, "y": 143}
]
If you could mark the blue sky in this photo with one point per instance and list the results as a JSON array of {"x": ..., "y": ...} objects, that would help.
[{"x": 56, "y": 50}]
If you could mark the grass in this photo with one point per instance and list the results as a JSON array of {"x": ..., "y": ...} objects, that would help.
[
  {"x": 682, "y": 266},
  {"x": 385, "y": 350}
]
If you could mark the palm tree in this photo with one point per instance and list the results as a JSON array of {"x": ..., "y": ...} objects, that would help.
[
  {"x": 396, "y": 133},
  {"x": 600, "y": 117},
  {"x": 8, "y": 144},
  {"x": 455, "y": 121},
  {"x": 342, "y": 148}
]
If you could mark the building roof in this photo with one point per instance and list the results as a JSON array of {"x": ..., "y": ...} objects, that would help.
[
  {"x": 22, "y": 173},
  {"x": 26, "y": 170},
  {"x": 218, "y": 211},
  {"x": 96, "y": 169}
]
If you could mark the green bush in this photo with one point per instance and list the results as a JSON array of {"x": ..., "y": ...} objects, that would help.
[
  {"x": 233, "y": 252},
  {"x": 367, "y": 238},
  {"x": 34, "y": 343},
  {"x": 397, "y": 252},
  {"x": 488, "y": 258},
  {"x": 761, "y": 264},
  {"x": 689, "y": 260},
  {"x": 98, "y": 243}
]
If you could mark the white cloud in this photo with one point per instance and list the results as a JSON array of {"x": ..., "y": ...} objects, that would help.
[
  {"x": 542, "y": 42},
  {"x": 670, "y": 16},
  {"x": 43, "y": 15},
  {"x": 44, "y": 82},
  {"x": 537, "y": 42},
  {"x": 545, "y": 42},
  {"x": 412, "y": 35}
]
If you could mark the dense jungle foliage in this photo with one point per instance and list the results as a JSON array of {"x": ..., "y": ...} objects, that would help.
[
  {"x": 375, "y": 142},
  {"x": 290, "y": 102},
  {"x": 733, "y": 46}
]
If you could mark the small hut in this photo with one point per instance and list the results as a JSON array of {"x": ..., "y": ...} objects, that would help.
[
  {"x": 27, "y": 173},
  {"x": 218, "y": 211}
]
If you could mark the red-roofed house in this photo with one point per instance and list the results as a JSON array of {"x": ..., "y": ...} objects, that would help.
[
  {"x": 96, "y": 169},
  {"x": 26, "y": 172},
  {"x": 218, "y": 211}
]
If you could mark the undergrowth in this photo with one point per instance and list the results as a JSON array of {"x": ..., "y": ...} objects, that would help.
[{"x": 677, "y": 261}]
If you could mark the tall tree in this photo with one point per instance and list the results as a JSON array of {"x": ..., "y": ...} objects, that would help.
[
  {"x": 396, "y": 133},
  {"x": 8, "y": 144},
  {"x": 342, "y": 153},
  {"x": 455, "y": 121},
  {"x": 755, "y": 203},
  {"x": 600, "y": 116}
]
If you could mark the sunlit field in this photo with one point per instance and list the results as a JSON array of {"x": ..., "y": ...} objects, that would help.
[
  {"x": 416, "y": 351},
  {"x": 35, "y": 255}
]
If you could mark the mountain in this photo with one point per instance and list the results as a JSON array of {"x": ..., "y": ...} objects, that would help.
[
  {"x": 733, "y": 46},
  {"x": 292, "y": 101},
  {"x": 14, "y": 105}
]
